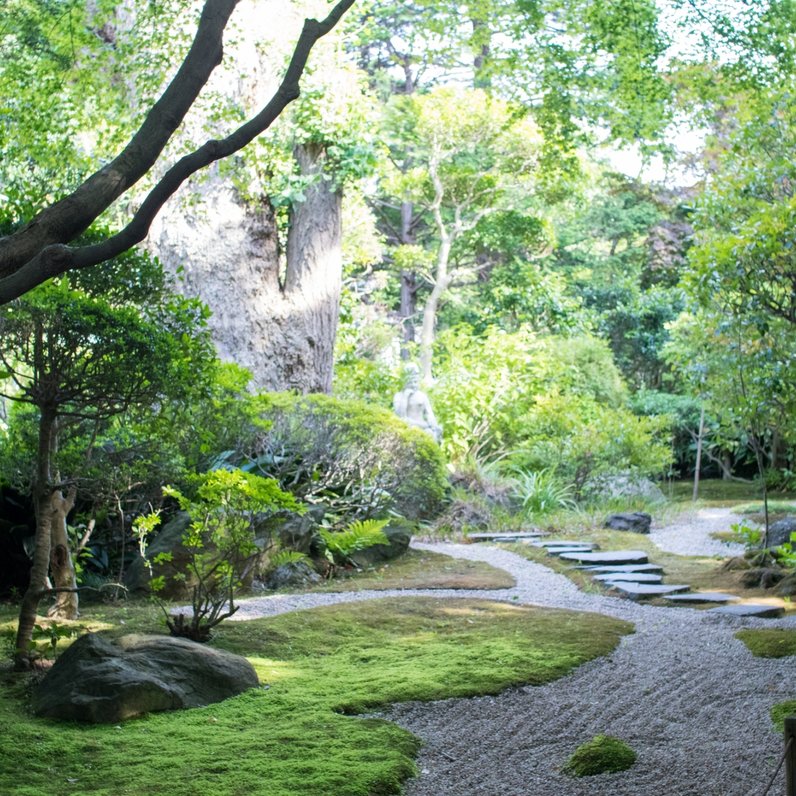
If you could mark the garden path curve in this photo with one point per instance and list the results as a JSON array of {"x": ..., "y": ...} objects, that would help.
[{"x": 682, "y": 691}]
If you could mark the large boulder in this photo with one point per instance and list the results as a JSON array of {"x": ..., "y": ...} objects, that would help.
[
  {"x": 398, "y": 533},
  {"x": 636, "y": 521},
  {"x": 779, "y": 532},
  {"x": 98, "y": 681},
  {"x": 292, "y": 575}
]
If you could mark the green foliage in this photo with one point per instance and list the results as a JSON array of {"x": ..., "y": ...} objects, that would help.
[
  {"x": 548, "y": 403},
  {"x": 220, "y": 543},
  {"x": 358, "y": 535},
  {"x": 358, "y": 461},
  {"x": 294, "y": 738},
  {"x": 604, "y": 754},
  {"x": 46, "y": 638},
  {"x": 542, "y": 492}
]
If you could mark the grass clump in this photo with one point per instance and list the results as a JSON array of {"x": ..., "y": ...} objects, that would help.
[
  {"x": 769, "y": 642},
  {"x": 295, "y": 736},
  {"x": 603, "y": 754}
]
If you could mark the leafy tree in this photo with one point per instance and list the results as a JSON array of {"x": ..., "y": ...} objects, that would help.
[
  {"x": 220, "y": 543},
  {"x": 471, "y": 158},
  {"x": 77, "y": 350}
]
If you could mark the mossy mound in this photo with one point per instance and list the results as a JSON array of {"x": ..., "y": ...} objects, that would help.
[
  {"x": 603, "y": 754},
  {"x": 769, "y": 642}
]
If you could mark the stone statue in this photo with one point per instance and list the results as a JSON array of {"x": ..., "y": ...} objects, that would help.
[{"x": 413, "y": 406}]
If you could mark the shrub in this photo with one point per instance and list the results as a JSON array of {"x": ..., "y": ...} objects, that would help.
[
  {"x": 359, "y": 461},
  {"x": 220, "y": 544},
  {"x": 604, "y": 754}
]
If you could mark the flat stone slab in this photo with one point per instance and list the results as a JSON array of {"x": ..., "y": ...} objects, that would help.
[
  {"x": 614, "y": 557},
  {"x": 629, "y": 577},
  {"x": 749, "y": 609},
  {"x": 565, "y": 543},
  {"x": 638, "y": 591},
  {"x": 703, "y": 597},
  {"x": 506, "y": 536},
  {"x": 653, "y": 568},
  {"x": 557, "y": 551}
]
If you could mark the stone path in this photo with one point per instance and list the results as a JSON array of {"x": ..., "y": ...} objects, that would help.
[{"x": 687, "y": 696}]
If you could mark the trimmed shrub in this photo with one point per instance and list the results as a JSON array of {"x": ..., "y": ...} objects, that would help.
[{"x": 357, "y": 460}]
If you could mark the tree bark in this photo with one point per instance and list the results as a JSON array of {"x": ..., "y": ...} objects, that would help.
[
  {"x": 313, "y": 277},
  {"x": 62, "y": 568},
  {"x": 441, "y": 284}
]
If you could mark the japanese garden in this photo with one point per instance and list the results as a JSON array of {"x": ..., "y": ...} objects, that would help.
[{"x": 395, "y": 398}]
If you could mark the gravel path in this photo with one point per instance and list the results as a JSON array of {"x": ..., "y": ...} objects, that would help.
[
  {"x": 687, "y": 696},
  {"x": 690, "y": 535}
]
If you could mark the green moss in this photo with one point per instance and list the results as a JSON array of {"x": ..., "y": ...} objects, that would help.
[
  {"x": 782, "y": 711},
  {"x": 293, "y": 737},
  {"x": 421, "y": 569},
  {"x": 603, "y": 754},
  {"x": 769, "y": 642}
]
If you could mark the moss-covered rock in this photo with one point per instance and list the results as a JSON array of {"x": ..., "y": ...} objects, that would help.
[{"x": 603, "y": 754}]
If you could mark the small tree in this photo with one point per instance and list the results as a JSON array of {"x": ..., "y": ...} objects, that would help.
[
  {"x": 77, "y": 350},
  {"x": 220, "y": 542}
]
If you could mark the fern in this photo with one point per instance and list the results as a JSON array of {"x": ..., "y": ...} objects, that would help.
[
  {"x": 284, "y": 557},
  {"x": 359, "y": 535}
]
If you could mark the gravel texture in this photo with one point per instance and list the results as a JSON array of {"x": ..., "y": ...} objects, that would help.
[{"x": 682, "y": 691}]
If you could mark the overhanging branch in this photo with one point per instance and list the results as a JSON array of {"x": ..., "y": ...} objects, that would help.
[{"x": 36, "y": 265}]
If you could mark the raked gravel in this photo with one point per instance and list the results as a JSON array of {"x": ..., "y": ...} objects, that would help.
[{"x": 682, "y": 691}]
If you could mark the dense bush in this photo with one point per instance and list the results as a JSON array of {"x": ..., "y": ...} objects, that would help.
[
  {"x": 357, "y": 460},
  {"x": 542, "y": 403}
]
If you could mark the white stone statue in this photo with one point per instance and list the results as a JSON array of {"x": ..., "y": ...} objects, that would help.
[{"x": 413, "y": 406}]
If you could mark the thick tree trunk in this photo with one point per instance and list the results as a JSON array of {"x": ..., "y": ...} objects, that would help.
[
  {"x": 38, "y": 585},
  {"x": 408, "y": 306},
  {"x": 62, "y": 568},
  {"x": 313, "y": 278}
]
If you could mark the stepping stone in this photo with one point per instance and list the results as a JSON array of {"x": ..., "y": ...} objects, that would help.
[
  {"x": 638, "y": 591},
  {"x": 614, "y": 557},
  {"x": 519, "y": 536},
  {"x": 749, "y": 609},
  {"x": 565, "y": 543},
  {"x": 703, "y": 597},
  {"x": 557, "y": 551},
  {"x": 629, "y": 577},
  {"x": 653, "y": 568}
]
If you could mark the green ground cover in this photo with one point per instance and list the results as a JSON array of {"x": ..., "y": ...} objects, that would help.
[
  {"x": 421, "y": 569},
  {"x": 294, "y": 736},
  {"x": 769, "y": 642}
]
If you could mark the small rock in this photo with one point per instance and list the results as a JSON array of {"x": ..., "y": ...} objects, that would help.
[
  {"x": 637, "y": 522},
  {"x": 779, "y": 532}
]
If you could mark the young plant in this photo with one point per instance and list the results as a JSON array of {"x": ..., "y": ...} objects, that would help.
[
  {"x": 541, "y": 492},
  {"x": 220, "y": 542}
]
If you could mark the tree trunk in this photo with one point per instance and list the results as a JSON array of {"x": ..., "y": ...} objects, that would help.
[
  {"x": 313, "y": 277},
  {"x": 62, "y": 567},
  {"x": 441, "y": 284},
  {"x": 408, "y": 306},
  {"x": 38, "y": 585}
]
